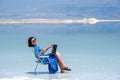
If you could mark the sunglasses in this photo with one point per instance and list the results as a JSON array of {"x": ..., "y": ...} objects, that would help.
[{"x": 33, "y": 40}]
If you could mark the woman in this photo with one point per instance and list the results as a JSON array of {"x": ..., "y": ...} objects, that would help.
[{"x": 32, "y": 42}]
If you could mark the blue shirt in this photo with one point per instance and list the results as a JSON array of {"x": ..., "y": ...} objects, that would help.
[{"x": 37, "y": 49}]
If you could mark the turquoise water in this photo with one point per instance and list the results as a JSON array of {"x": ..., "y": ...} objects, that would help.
[
  {"x": 88, "y": 54},
  {"x": 91, "y": 50}
]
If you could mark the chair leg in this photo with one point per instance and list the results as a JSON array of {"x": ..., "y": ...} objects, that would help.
[{"x": 36, "y": 67}]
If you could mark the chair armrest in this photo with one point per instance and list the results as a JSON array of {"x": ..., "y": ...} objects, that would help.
[{"x": 44, "y": 57}]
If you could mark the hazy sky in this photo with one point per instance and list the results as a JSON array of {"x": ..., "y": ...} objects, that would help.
[{"x": 85, "y": 3}]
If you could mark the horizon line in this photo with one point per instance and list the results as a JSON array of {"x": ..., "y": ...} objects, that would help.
[{"x": 56, "y": 21}]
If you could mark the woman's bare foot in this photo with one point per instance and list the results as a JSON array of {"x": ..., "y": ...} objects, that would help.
[
  {"x": 62, "y": 71},
  {"x": 67, "y": 69}
]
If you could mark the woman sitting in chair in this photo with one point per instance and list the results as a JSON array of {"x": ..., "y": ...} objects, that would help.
[{"x": 32, "y": 42}]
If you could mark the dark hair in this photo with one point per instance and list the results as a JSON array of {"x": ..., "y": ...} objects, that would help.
[{"x": 29, "y": 41}]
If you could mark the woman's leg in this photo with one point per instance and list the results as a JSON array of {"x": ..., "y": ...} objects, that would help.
[{"x": 61, "y": 63}]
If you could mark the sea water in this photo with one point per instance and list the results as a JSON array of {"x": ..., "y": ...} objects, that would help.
[
  {"x": 92, "y": 51},
  {"x": 90, "y": 55}
]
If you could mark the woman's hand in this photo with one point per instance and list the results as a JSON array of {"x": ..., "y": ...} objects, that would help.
[{"x": 51, "y": 46}]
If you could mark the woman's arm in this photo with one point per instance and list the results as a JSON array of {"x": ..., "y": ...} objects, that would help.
[
  {"x": 39, "y": 53},
  {"x": 44, "y": 50}
]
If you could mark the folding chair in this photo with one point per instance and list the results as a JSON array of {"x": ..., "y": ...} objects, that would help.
[
  {"x": 44, "y": 57},
  {"x": 40, "y": 61}
]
